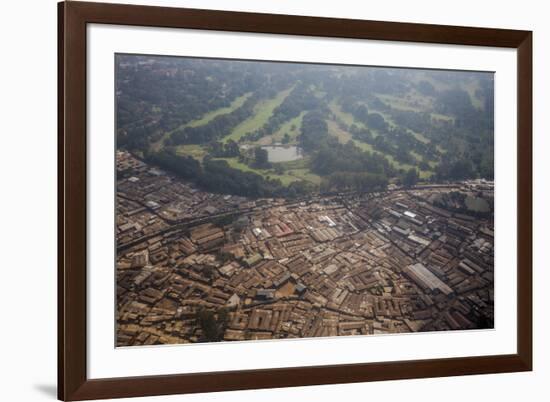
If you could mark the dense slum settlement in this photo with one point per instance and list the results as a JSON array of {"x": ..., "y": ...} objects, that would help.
[{"x": 194, "y": 266}]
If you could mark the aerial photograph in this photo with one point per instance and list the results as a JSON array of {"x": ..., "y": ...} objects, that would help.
[{"x": 262, "y": 200}]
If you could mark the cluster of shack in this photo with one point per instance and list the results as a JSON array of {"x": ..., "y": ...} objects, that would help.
[{"x": 355, "y": 264}]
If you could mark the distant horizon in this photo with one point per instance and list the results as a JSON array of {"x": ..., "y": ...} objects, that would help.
[{"x": 153, "y": 57}]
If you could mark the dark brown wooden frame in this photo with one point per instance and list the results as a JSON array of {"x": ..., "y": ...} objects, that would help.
[{"x": 73, "y": 383}]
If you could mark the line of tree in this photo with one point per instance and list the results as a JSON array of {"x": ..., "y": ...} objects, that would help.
[
  {"x": 217, "y": 128},
  {"x": 314, "y": 131},
  {"x": 219, "y": 149},
  {"x": 212, "y": 323},
  {"x": 298, "y": 100},
  {"x": 354, "y": 181},
  {"x": 217, "y": 176}
]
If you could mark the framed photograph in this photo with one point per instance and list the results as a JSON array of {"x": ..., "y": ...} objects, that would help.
[{"x": 254, "y": 200}]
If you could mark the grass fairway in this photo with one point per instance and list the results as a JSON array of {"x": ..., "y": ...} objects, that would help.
[
  {"x": 419, "y": 136},
  {"x": 442, "y": 117},
  {"x": 347, "y": 118},
  {"x": 205, "y": 119},
  {"x": 285, "y": 178},
  {"x": 294, "y": 171},
  {"x": 334, "y": 130},
  {"x": 343, "y": 137},
  {"x": 297, "y": 170},
  {"x": 413, "y": 103},
  {"x": 305, "y": 175},
  {"x": 425, "y": 174},
  {"x": 287, "y": 127},
  {"x": 470, "y": 87},
  {"x": 302, "y": 163},
  {"x": 262, "y": 112},
  {"x": 208, "y": 117},
  {"x": 194, "y": 150}
]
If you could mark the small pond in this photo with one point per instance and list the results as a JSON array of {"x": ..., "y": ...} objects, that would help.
[{"x": 281, "y": 153}]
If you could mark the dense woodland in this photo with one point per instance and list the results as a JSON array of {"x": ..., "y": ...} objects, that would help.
[{"x": 357, "y": 128}]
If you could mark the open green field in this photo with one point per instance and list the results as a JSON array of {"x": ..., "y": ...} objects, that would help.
[
  {"x": 305, "y": 175},
  {"x": 194, "y": 150},
  {"x": 423, "y": 174},
  {"x": 285, "y": 178},
  {"x": 439, "y": 116},
  {"x": 387, "y": 117},
  {"x": 347, "y": 118},
  {"x": 205, "y": 119},
  {"x": 208, "y": 117},
  {"x": 292, "y": 127},
  {"x": 440, "y": 149},
  {"x": 335, "y": 130},
  {"x": 469, "y": 87},
  {"x": 298, "y": 170},
  {"x": 262, "y": 112},
  {"x": 344, "y": 136},
  {"x": 210, "y": 108},
  {"x": 295, "y": 170},
  {"x": 410, "y": 102},
  {"x": 433, "y": 164},
  {"x": 302, "y": 163},
  {"x": 418, "y": 136},
  {"x": 317, "y": 92}
]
